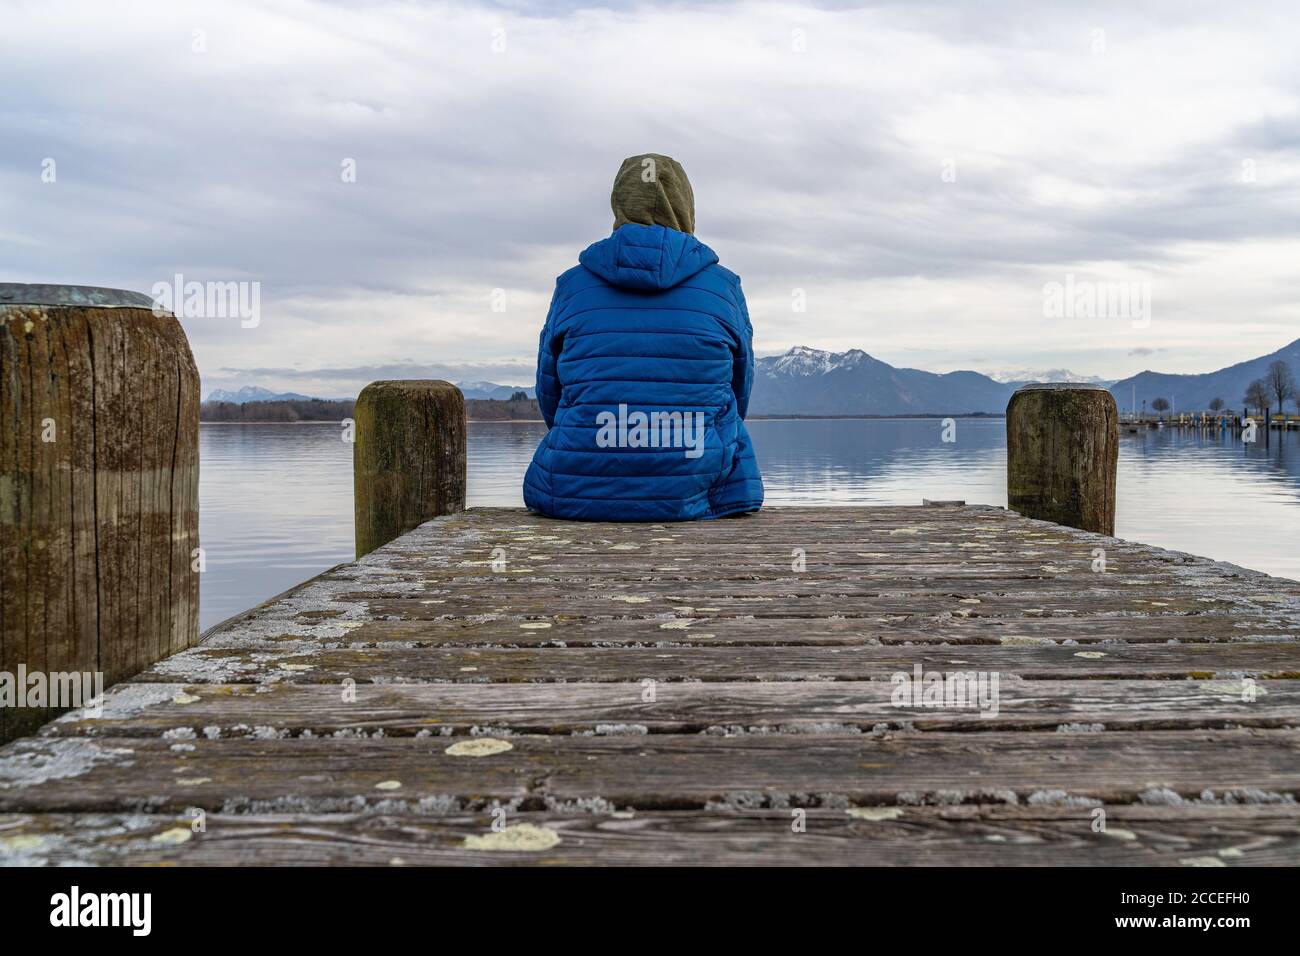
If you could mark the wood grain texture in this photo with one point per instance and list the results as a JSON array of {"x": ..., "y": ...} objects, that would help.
[
  {"x": 98, "y": 493},
  {"x": 1062, "y": 454},
  {"x": 401, "y": 709},
  {"x": 966, "y": 835},
  {"x": 387, "y": 661},
  {"x": 408, "y": 458},
  {"x": 670, "y": 771},
  {"x": 671, "y": 693}
]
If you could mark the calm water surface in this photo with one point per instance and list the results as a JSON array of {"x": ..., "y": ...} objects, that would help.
[{"x": 276, "y": 500}]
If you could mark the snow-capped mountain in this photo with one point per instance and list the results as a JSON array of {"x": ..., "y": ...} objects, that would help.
[
  {"x": 1022, "y": 375},
  {"x": 492, "y": 390},
  {"x": 807, "y": 381},
  {"x": 254, "y": 393},
  {"x": 801, "y": 360}
]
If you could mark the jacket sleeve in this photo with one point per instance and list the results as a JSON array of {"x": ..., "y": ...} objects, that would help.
[
  {"x": 742, "y": 375},
  {"x": 548, "y": 353}
]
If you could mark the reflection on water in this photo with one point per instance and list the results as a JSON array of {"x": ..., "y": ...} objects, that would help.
[
  {"x": 275, "y": 508},
  {"x": 276, "y": 500},
  {"x": 1212, "y": 494},
  {"x": 881, "y": 462}
]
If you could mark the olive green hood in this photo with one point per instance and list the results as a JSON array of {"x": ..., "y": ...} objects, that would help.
[{"x": 652, "y": 190}]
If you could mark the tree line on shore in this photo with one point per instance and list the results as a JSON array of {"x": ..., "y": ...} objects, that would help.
[
  {"x": 1270, "y": 392},
  {"x": 297, "y": 410},
  {"x": 518, "y": 408}
]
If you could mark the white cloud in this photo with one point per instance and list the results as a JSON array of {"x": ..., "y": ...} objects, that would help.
[{"x": 819, "y": 170}]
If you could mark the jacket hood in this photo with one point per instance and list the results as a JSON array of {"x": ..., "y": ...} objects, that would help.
[
  {"x": 652, "y": 190},
  {"x": 647, "y": 258}
]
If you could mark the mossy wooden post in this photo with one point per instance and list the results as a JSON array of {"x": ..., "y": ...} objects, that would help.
[
  {"x": 99, "y": 482},
  {"x": 1062, "y": 451},
  {"x": 408, "y": 460}
]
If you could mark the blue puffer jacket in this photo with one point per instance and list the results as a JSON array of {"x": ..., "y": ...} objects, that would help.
[{"x": 643, "y": 376}]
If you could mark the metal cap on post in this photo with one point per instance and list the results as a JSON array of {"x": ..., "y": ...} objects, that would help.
[
  {"x": 1062, "y": 454},
  {"x": 408, "y": 459}
]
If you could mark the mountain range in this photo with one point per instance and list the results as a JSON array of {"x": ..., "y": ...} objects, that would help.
[
  {"x": 807, "y": 381},
  {"x": 492, "y": 390},
  {"x": 1048, "y": 375},
  {"x": 812, "y": 382},
  {"x": 1195, "y": 392},
  {"x": 254, "y": 393}
]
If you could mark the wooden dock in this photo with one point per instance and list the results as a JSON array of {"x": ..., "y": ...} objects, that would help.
[{"x": 495, "y": 687}]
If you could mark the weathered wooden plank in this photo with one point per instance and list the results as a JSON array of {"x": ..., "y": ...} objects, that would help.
[
  {"x": 150, "y": 710},
  {"x": 858, "y": 558},
  {"x": 742, "y": 630},
  {"x": 859, "y": 573},
  {"x": 469, "y": 553},
  {"x": 1192, "y": 835},
  {"x": 537, "y": 580},
  {"x": 537, "y": 586},
  {"x": 655, "y": 771},
  {"x": 307, "y": 662},
  {"x": 833, "y": 520},
  {"x": 769, "y": 601}
]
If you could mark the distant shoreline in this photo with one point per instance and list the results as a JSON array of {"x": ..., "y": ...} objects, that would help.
[
  {"x": 818, "y": 418},
  {"x": 866, "y": 418},
  {"x": 751, "y": 418},
  {"x": 520, "y": 409}
]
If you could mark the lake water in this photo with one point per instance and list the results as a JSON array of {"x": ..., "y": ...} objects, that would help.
[{"x": 276, "y": 500}]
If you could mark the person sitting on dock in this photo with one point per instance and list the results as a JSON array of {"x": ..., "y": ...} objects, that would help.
[{"x": 644, "y": 369}]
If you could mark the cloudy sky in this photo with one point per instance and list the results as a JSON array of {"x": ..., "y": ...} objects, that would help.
[{"x": 919, "y": 171}]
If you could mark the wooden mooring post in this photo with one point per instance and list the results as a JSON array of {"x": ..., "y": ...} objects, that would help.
[
  {"x": 1062, "y": 454},
  {"x": 408, "y": 458},
  {"x": 99, "y": 459}
]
